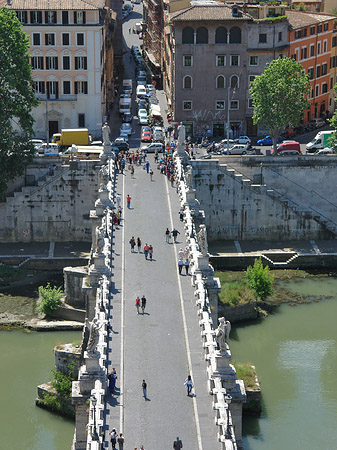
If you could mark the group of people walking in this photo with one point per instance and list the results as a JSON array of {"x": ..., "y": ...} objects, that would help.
[
  {"x": 184, "y": 260},
  {"x": 140, "y": 303}
]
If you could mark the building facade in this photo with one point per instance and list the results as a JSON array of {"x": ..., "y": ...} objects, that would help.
[
  {"x": 71, "y": 48},
  {"x": 310, "y": 40}
]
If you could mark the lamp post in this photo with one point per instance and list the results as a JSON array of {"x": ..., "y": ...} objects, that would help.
[
  {"x": 94, "y": 435},
  {"x": 228, "y": 399}
]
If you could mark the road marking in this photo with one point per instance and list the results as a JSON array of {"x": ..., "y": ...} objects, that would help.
[
  {"x": 51, "y": 249},
  {"x": 315, "y": 247},
  {"x": 121, "y": 398},
  {"x": 188, "y": 352}
]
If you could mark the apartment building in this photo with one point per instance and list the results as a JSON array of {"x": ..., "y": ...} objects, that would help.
[
  {"x": 71, "y": 48},
  {"x": 310, "y": 40},
  {"x": 211, "y": 55},
  {"x": 333, "y": 71}
]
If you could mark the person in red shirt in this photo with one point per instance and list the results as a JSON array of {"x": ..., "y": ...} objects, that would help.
[
  {"x": 146, "y": 250},
  {"x": 128, "y": 201}
]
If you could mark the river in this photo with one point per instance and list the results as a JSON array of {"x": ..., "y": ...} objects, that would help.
[
  {"x": 295, "y": 354},
  {"x": 27, "y": 360}
]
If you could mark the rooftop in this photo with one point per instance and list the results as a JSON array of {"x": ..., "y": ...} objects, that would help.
[
  {"x": 209, "y": 11},
  {"x": 299, "y": 19},
  {"x": 53, "y": 5}
]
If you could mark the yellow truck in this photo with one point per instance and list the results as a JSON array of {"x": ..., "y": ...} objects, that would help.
[{"x": 68, "y": 137}]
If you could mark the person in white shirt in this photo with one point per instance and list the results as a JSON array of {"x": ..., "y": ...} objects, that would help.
[{"x": 189, "y": 384}]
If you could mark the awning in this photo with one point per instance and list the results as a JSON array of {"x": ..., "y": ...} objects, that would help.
[{"x": 152, "y": 59}]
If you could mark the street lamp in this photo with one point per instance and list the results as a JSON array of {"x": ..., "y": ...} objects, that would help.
[
  {"x": 94, "y": 435},
  {"x": 228, "y": 399}
]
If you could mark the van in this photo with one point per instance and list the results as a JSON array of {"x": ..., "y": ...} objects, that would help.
[
  {"x": 67, "y": 137},
  {"x": 124, "y": 106},
  {"x": 320, "y": 141},
  {"x": 127, "y": 85},
  {"x": 289, "y": 146},
  {"x": 318, "y": 123}
]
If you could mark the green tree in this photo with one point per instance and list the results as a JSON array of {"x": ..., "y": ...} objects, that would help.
[
  {"x": 280, "y": 96},
  {"x": 260, "y": 279},
  {"x": 16, "y": 100},
  {"x": 333, "y": 123},
  {"x": 49, "y": 299}
]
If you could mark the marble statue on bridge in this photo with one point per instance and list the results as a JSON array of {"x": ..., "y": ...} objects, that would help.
[
  {"x": 181, "y": 134},
  {"x": 93, "y": 328},
  {"x": 106, "y": 134},
  {"x": 202, "y": 240},
  {"x": 222, "y": 333}
]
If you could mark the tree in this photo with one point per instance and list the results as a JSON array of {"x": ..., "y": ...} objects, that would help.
[
  {"x": 260, "y": 279},
  {"x": 16, "y": 100},
  {"x": 280, "y": 96},
  {"x": 50, "y": 299},
  {"x": 333, "y": 123}
]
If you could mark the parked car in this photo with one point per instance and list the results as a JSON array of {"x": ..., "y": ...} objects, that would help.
[
  {"x": 126, "y": 127},
  {"x": 158, "y": 136},
  {"x": 146, "y": 129},
  {"x": 141, "y": 90},
  {"x": 325, "y": 151},
  {"x": 238, "y": 149},
  {"x": 288, "y": 146},
  {"x": 36, "y": 143},
  {"x": 127, "y": 117},
  {"x": 223, "y": 143},
  {"x": 151, "y": 148},
  {"x": 122, "y": 138},
  {"x": 317, "y": 123},
  {"x": 142, "y": 116},
  {"x": 120, "y": 145},
  {"x": 267, "y": 141},
  {"x": 243, "y": 140},
  {"x": 146, "y": 136},
  {"x": 288, "y": 133},
  {"x": 289, "y": 153}
]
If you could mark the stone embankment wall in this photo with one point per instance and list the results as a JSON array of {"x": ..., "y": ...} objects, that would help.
[
  {"x": 54, "y": 210},
  {"x": 236, "y": 208}
]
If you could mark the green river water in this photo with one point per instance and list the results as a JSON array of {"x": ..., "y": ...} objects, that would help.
[
  {"x": 27, "y": 360},
  {"x": 295, "y": 354}
]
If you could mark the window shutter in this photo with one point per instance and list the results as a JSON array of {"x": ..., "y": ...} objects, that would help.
[
  {"x": 84, "y": 17},
  {"x": 75, "y": 17},
  {"x": 31, "y": 17},
  {"x": 46, "y": 16},
  {"x": 39, "y": 16},
  {"x": 48, "y": 89},
  {"x": 56, "y": 63},
  {"x": 57, "y": 89},
  {"x": 76, "y": 62},
  {"x": 46, "y": 39},
  {"x": 25, "y": 16},
  {"x": 54, "y": 16},
  {"x": 76, "y": 89},
  {"x": 85, "y": 87},
  {"x": 85, "y": 63},
  {"x": 42, "y": 87}
]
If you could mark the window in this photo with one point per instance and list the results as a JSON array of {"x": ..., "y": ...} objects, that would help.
[
  {"x": 187, "y": 82},
  {"x": 318, "y": 71},
  {"x": 235, "y": 35},
  {"x": 202, "y": 35},
  {"x": 319, "y": 28},
  {"x": 51, "y": 63},
  {"x": 65, "y": 39},
  {"x": 219, "y": 104},
  {"x": 311, "y": 73},
  {"x": 36, "y": 39},
  {"x": 38, "y": 87},
  {"x": 325, "y": 46},
  {"x": 250, "y": 103},
  {"x": 250, "y": 79},
  {"x": 36, "y": 17},
  {"x": 188, "y": 60},
  {"x": 79, "y": 17},
  {"x": 304, "y": 32},
  {"x": 318, "y": 48},
  {"x": 253, "y": 60},
  {"x": 220, "y": 60},
  {"x": 50, "y": 17},
  {"x": 81, "y": 120},
  {"x": 234, "y": 104},
  {"x": 312, "y": 93},
  {"x": 324, "y": 88},
  {"x": 220, "y": 82},
  {"x": 234, "y": 81},
  {"x": 326, "y": 26},
  {"x": 262, "y": 38},
  {"x": 80, "y": 63},
  {"x": 66, "y": 87},
  {"x": 187, "y": 105},
  {"x": 303, "y": 52},
  {"x": 334, "y": 41},
  {"x": 331, "y": 83},
  {"x": 312, "y": 50},
  {"x": 317, "y": 90},
  {"x": 235, "y": 60},
  {"x": 81, "y": 87},
  {"x": 221, "y": 35},
  {"x": 22, "y": 16},
  {"x": 52, "y": 89},
  {"x": 37, "y": 62},
  {"x": 298, "y": 34},
  {"x": 280, "y": 36},
  {"x": 80, "y": 38},
  {"x": 66, "y": 62},
  {"x": 188, "y": 35},
  {"x": 324, "y": 69},
  {"x": 312, "y": 30},
  {"x": 65, "y": 17},
  {"x": 49, "y": 38}
]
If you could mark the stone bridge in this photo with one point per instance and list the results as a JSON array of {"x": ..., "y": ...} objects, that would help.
[{"x": 175, "y": 336}]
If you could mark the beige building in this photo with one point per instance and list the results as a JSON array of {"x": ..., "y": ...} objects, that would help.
[{"x": 71, "y": 48}]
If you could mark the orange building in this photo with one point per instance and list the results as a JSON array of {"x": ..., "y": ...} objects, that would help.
[{"x": 310, "y": 37}]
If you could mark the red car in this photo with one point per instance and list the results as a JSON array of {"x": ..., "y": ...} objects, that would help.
[{"x": 146, "y": 136}]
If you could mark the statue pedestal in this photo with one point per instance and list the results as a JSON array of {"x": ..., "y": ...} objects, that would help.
[
  {"x": 92, "y": 362},
  {"x": 107, "y": 153},
  {"x": 100, "y": 207},
  {"x": 104, "y": 196}
]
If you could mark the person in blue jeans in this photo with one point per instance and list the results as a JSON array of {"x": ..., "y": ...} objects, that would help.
[
  {"x": 189, "y": 384},
  {"x": 147, "y": 165}
]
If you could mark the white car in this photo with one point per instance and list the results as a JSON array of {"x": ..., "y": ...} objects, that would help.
[
  {"x": 151, "y": 148},
  {"x": 243, "y": 140},
  {"x": 141, "y": 90},
  {"x": 325, "y": 151},
  {"x": 125, "y": 128},
  {"x": 123, "y": 137},
  {"x": 142, "y": 116},
  {"x": 238, "y": 149},
  {"x": 36, "y": 143}
]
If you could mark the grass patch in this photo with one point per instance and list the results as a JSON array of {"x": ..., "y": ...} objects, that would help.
[
  {"x": 9, "y": 274},
  {"x": 247, "y": 373},
  {"x": 236, "y": 293}
]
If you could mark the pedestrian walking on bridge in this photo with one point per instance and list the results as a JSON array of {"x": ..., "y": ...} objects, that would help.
[
  {"x": 175, "y": 233},
  {"x": 143, "y": 304},
  {"x": 139, "y": 244},
  {"x": 144, "y": 387},
  {"x": 167, "y": 235},
  {"x": 189, "y": 384},
  {"x": 113, "y": 438},
  {"x": 150, "y": 252},
  {"x": 146, "y": 250},
  {"x": 128, "y": 201},
  {"x": 132, "y": 243},
  {"x": 177, "y": 444},
  {"x": 120, "y": 441},
  {"x": 137, "y": 304}
]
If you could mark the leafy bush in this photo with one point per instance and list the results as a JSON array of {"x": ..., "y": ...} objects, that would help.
[
  {"x": 234, "y": 293},
  {"x": 246, "y": 372},
  {"x": 62, "y": 383},
  {"x": 50, "y": 298},
  {"x": 260, "y": 279}
]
